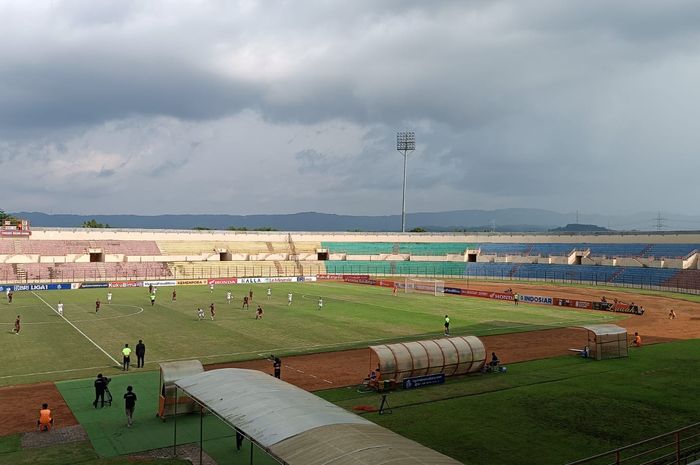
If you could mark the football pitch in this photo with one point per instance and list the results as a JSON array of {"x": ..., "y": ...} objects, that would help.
[{"x": 81, "y": 342}]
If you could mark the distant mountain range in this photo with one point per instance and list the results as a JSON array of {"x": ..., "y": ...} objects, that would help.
[{"x": 503, "y": 220}]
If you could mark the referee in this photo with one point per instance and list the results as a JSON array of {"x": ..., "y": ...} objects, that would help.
[{"x": 126, "y": 352}]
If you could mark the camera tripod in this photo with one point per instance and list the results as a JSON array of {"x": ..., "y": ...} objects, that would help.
[{"x": 108, "y": 396}]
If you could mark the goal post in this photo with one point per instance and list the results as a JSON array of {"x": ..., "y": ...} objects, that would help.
[{"x": 429, "y": 286}]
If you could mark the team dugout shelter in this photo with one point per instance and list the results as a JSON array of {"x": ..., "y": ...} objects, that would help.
[
  {"x": 296, "y": 427},
  {"x": 607, "y": 341},
  {"x": 451, "y": 356}
]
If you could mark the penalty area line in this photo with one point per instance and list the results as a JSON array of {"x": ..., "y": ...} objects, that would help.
[{"x": 77, "y": 329}]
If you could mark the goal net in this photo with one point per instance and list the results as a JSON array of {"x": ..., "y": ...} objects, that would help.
[{"x": 431, "y": 286}]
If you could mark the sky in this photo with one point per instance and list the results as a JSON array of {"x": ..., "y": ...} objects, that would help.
[{"x": 262, "y": 107}]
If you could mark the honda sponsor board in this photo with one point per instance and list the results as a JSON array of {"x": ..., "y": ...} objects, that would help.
[
  {"x": 487, "y": 294},
  {"x": 125, "y": 284},
  {"x": 536, "y": 299},
  {"x": 160, "y": 283},
  {"x": 222, "y": 281}
]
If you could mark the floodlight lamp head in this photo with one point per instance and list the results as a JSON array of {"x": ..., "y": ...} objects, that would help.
[{"x": 405, "y": 141}]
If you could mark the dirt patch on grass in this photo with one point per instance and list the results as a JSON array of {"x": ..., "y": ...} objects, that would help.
[{"x": 20, "y": 405}]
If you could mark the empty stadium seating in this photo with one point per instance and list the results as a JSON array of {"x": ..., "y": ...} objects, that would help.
[{"x": 413, "y": 248}]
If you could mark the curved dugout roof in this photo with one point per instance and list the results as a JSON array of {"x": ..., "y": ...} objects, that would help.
[
  {"x": 452, "y": 356},
  {"x": 298, "y": 427}
]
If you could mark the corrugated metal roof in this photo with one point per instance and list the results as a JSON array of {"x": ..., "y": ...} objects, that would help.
[
  {"x": 299, "y": 428},
  {"x": 356, "y": 445},
  {"x": 265, "y": 408}
]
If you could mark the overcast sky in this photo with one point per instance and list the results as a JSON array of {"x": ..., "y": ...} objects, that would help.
[{"x": 152, "y": 107}]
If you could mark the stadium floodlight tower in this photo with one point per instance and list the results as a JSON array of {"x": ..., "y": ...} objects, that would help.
[{"x": 405, "y": 143}]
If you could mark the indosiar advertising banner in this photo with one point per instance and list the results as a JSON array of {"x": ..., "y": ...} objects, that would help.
[{"x": 536, "y": 299}]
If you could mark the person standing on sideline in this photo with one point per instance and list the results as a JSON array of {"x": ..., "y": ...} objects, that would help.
[
  {"x": 100, "y": 386},
  {"x": 174, "y": 295},
  {"x": 59, "y": 308},
  {"x": 320, "y": 303},
  {"x": 395, "y": 290},
  {"x": 130, "y": 405},
  {"x": 447, "y": 325},
  {"x": 97, "y": 305},
  {"x": 277, "y": 366},
  {"x": 126, "y": 352},
  {"x": 516, "y": 298},
  {"x": 109, "y": 297},
  {"x": 672, "y": 314},
  {"x": 269, "y": 293},
  {"x": 289, "y": 299},
  {"x": 140, "y": 353},
  {"x": 7, "y": 293}
]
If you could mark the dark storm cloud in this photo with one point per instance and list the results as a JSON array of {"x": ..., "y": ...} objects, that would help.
[{"x": 530, "y": 103}]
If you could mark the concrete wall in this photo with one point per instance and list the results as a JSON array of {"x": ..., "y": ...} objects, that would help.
[{"x": 279, "y": 236}]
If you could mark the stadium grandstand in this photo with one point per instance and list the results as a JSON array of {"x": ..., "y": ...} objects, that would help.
[{"x": 74, "y": 255}]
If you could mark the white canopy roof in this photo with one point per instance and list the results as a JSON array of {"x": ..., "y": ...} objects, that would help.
[
  {"x": 267, "y": 409},
  {"x": 298, "y": 427},
  {"x": 603, "y": 330}
]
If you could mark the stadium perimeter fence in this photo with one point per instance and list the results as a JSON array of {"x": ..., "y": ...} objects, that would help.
[{"x": 606, "y": 279}]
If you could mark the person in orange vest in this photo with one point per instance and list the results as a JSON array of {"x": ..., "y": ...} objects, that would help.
[
  {"x": 45, "y": 421},
  {"x": 637, "y": 341}
]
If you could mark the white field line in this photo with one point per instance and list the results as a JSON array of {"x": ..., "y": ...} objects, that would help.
[
  {"x": 77, "y": 329},
  {"x": 23, "y": 375},
  {"x": 80, "y": 321}
]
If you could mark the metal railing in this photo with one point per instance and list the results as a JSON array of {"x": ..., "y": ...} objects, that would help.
[{"x": 679, "y": 447}]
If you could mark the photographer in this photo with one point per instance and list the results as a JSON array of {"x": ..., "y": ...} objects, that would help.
[{"x": 100, "y": 387}]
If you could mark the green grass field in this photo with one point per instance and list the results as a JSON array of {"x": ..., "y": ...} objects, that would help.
[{"x": 53, "y": 348}]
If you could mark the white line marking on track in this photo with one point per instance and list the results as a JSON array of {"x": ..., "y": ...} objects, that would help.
[
  {"x": 77, "y": 329},
  {"x": 329, "y": 382}
]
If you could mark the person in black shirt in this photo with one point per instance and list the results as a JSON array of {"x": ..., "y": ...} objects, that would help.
[
  {"x": 100, "y": 386},
  {"x": 140, "y": 353},
  {"x": 277, "y": 365},
  {"x": 130, "y": 405}
]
